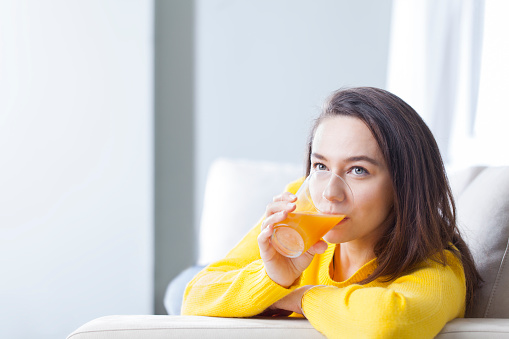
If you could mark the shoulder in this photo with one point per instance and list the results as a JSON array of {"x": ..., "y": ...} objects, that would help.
[
  {"x": 435, "y": 275},
  {"x": 454, "y": 266},
  {"x": 446, "y": 261}
]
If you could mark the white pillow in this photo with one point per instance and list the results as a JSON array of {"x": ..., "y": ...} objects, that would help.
[{"x": 236, "y": 194}]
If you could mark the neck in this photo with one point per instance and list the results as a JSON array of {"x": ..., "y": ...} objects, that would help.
[
  {"x": 356, "y": 255},
  {"x": 348, "y": 259}
]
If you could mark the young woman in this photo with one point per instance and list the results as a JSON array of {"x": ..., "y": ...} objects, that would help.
[{"x": 395, "y": 267}]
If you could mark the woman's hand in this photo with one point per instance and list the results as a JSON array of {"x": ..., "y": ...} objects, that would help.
[
  {"x": 282, "y": 270},
  {"x": 291, "y": 303}
]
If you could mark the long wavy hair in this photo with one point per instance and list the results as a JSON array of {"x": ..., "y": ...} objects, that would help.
[{"x": 424, "y": 222}]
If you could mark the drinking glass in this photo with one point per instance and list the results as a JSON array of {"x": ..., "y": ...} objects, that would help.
[{"x": 323, "y": 200}]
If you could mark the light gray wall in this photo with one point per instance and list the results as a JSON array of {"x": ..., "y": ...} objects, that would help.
[
  {"x": 174, "y": 142},
  {"x": 263, "y": 68},
  {"x": 76, "y": 158},
  {"x": 244, "y": 79}
]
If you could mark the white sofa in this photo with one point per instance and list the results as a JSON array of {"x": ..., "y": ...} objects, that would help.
[{"x": 482, "y": 198}]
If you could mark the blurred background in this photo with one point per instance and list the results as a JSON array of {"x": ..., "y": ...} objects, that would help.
[{"x": 111, "y": 112}]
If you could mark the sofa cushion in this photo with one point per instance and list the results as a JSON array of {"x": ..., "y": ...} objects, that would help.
[
  {"x": 236, "y": 194},
  {"x": 483, "y": 218}
]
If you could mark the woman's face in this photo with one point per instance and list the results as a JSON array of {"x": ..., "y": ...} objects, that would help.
[{"x": 346, "y": 146}]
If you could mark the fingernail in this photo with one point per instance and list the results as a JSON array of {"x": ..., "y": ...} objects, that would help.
[
  {"x": 292, "y": 196},
  {"x": 291, "y": 205}
]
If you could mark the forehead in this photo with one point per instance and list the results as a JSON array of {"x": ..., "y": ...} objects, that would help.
[{"x": 343, "y": 137}]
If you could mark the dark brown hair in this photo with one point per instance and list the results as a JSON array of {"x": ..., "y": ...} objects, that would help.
[{"x": 424, "y": 215}]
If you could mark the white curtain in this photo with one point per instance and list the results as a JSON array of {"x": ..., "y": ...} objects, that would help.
[
  {"x": 488, "y": 141},
  {"x": 435, "y": 65}
]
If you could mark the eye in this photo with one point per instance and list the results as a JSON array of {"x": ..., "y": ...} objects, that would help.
[
  {"x": 319, "y": 166},
  {"x": 359, "y": 171}
]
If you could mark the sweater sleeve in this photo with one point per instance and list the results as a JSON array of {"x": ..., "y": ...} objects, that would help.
[
  {"x": 417, "y": 305},
  {"x": 236, "y": 286}
]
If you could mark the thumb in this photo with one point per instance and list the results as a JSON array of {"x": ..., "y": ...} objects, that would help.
[{"x": 318, "y": 248}]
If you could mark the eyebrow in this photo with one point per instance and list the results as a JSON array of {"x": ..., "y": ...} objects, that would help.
[{"x": 351, "y": 159}]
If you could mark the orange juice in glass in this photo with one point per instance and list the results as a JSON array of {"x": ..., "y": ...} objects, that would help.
[{"x": 323, "y": 200}]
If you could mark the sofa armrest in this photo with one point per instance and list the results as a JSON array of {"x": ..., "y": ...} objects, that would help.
[
  {"x": 167, "y": 326},
  {"x": 475, "y": 328}
]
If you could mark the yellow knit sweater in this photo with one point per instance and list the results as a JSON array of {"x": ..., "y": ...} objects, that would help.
[{"x": 416, "y": 305}]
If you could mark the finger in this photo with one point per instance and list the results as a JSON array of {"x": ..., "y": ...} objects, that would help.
[
  {"x": 285, "y": 196},
  {"x": 274, "y": 219},
  {"x": 275, "y": 207},
  {"x": 264, "y": 239},
  {"x": 319, "y": 248}
]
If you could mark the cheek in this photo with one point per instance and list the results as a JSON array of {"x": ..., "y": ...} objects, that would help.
[{"x": 374, "y": 204}]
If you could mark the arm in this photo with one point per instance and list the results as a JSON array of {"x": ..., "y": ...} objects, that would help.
[
  {"x": 253, "y": 275},
  {"x": 236, "y": 286},
  {"x": 412, "y": 306}
]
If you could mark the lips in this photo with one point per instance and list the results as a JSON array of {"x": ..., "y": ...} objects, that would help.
[{"x": 343, "y": 221}]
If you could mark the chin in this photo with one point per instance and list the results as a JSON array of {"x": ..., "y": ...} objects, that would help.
[{"x": 335, "y": 237}]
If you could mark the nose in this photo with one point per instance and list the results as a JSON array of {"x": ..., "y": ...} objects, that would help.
[{"x": 335, "y": 190}]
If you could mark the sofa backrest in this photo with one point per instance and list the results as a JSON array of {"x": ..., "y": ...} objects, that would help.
[{"x": 482, "y": 201}]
